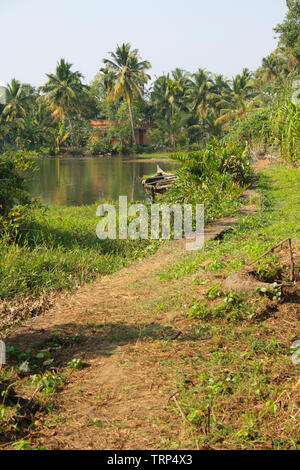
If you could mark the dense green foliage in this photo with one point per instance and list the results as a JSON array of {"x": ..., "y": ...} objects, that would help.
[
  {"x": 57, "y": 248},
  {"x": 213, "y": 125},
  {"x": 289, "y": 30},
  {"x": 218, "y": 157},
  {"x": 214, "y": 176},
  {"x": 180, "y": 110},
  {"x": 286, "y": 131},
  {"x": 14, "y": 199}
]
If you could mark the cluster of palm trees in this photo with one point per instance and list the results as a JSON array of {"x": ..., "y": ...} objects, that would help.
[
  {"x": 202, "y": 101},
  {"x": 190, "y": 106},
  {"x": 41, "y": 116},
  {"x": 198, "y": 103},
  {"x": 195, "y": 106}
]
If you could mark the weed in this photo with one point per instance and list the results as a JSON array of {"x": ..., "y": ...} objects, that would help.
[
  {"x": 214, "y": 292},
  {"x": 49, "y": 382},
  {"x": 270, "y": 270},
  {"x": 95, "y": 422},
  {"x": 76, "y": 364},
  {"x": 21, "y": 445},
  {"x": 199, "y": 310},
  {"x": 249, "y": 430}
]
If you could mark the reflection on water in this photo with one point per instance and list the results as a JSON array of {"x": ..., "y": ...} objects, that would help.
[{"x": 78, "y": 181}]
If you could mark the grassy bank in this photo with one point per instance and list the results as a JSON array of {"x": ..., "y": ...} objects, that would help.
[
  {"x": 238, "y": 387},
  {"x": 279, "y": 189},
  {"x": 57, "y": 248},
  {"x": 229, "y": 368},
  {"x": 54, "y": 248},
  {"x": 154, "y": 155}
]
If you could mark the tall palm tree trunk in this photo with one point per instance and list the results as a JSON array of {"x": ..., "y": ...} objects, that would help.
[
  {"x": 71, "y": 129},
  {"x": 132, "y": 123}
]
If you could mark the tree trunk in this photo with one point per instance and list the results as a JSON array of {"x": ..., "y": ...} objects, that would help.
[
  {"x": 132, "y": 123},
  {"x": 173, "y": 140},
  {"x": 71, "y": 128}
]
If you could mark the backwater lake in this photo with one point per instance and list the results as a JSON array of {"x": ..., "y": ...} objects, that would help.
[{"x": 77, "y": 181}]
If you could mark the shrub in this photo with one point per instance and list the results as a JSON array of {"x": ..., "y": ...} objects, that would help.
[
  {"x": 99, "y": 145},
  {"x": 286, "y": 131},
  {"x": 14, "y": 198},
  {"x": 255, "y": 129},
  {"x": 219, "y": 194},
  {"x": 218, "y": 157},
  {"x": 215, "y": 177},
  {"x": 121, "y": 148}
]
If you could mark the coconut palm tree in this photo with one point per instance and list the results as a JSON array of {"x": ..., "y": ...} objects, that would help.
[
  {"x": 200, "y": 92},
  {"x": 182, "y": 81},
  {"x": 221, "y": 87},
  {"x": 158, "y": 95},
  {"x": 129, "y": 77},
  {"x": 213, "y": 128},
  {"x": 269, "y": 69},
  {"x": 240, "y": 100},
  {"x": 173, "y": 94},
  {"x": 15, "y": 101},
  {"x": 63, "y": 93},
  {"x": 272, "y": 67},
  {"x": 174, "y": 126},
  {"x": 106, "y": 80}
]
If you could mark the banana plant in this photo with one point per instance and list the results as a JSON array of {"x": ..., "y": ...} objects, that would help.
[
  {"x": 61, "y": 136},
  {"x": 286, "y": 131}
]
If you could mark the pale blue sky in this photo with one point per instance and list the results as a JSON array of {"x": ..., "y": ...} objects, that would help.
[{"x": 222, "y": 36}]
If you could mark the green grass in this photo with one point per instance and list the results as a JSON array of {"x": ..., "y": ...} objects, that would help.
[
  {"x": 58, "y": 249},
  {"x": 241, "y": 391},
  {"x": 253, "y": 234},
  {"x": 154, "y": 155},
  {"x": 232, "y": 373}
]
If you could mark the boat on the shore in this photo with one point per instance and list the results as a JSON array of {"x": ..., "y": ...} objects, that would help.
[{"x": 160, "y": 182}]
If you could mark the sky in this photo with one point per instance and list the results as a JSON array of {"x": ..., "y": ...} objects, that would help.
[{"x": 222, "y": 36}]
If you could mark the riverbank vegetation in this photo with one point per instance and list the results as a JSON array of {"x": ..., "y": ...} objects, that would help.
[
  {"x": 209, "y": 368},
  {"x": 46, "y": 249},
  {"x": 222, "y": 123},
  {"x": 180, "y": 110}
]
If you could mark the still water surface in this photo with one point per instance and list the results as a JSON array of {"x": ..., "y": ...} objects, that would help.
[{"x": 84, "y": 180}]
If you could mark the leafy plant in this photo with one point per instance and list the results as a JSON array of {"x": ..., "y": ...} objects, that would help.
[
  {"x": 99, "y": 145},
  {"x": 21, "y": 445},
  {"x": 76, "y": 364},
  {"x": 249, "y": 430},
  {"x": 218, "y": 157},
  {"x": 234, "y": 307},
  {"x": 199, "y": 310},
  {"x": 270, "y": 269},
  {"x": 286, "y": 131},
  {"x": 49, "y": 382},
  {"x": 14, "y": 198},
  {"x": 214, "y": 292}
]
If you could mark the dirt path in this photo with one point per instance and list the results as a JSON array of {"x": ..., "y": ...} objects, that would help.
[{"x": 120, "y": 327}]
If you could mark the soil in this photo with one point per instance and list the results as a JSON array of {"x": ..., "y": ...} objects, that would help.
[
  {"x": 120, "y": 399},
  {"x": 120, "y": 387}
]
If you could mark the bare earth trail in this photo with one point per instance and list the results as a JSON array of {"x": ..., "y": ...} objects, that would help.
[{"x": 128, "y": 327}]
